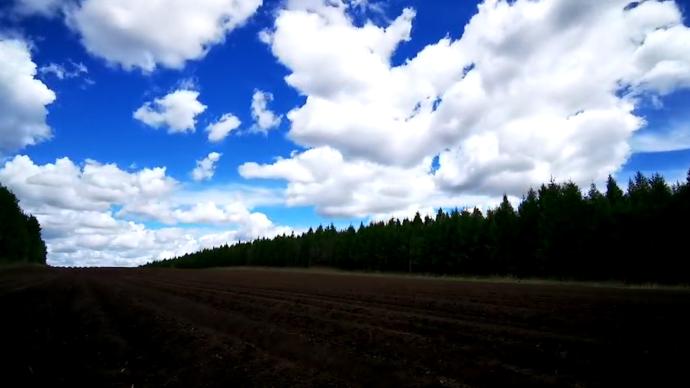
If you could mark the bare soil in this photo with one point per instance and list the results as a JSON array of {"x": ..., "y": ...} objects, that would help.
[{"x": 221, "y": 328}]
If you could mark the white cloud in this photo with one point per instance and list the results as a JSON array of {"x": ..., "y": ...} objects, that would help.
[
  {"x": 663, "y": 61},
  {"x": 147, "y": 34},
  {"x": 345, "y": 73},
  {"x": 71, "y": 70},
  {"x": 367, "y": 5},
  {"x": 94, "y": 186},
  {"x": 53, "y": 68},
  {"x": 249, "y": 195},
  {"x": 322, "y": 177},
  {"x": 206, "y": 167},
  {"x": 264, "y": 118},
  {"x": 249, "y": 224},
  {"x": 675, "y": 139},
  {"x": 547, "y": 85},
  {"x": 337, "y": 187},
  {"x": 23, "y": 98},
  {"x": 221, "y": 129},
  {"x": 265, "y": 36},
  {"x": 532, "y": 90},
  {"x": 177, "y": 111},
  {"x": 84, "y": 212}
]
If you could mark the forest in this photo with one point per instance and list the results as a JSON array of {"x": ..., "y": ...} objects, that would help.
[
  {"x": 20, "y": 234},
  {"x": 557, "y": 231}
]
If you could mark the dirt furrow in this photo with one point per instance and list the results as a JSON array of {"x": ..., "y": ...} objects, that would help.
[
  {"x": 376, "y": 333},
  {"x": 216, "y": 328}
]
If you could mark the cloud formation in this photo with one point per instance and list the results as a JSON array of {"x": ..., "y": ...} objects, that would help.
[
  {"x": 176, "y": 111},
  {"x": 71, "y": 70},
  {"x": 674, "y": 139},
  {"x": 147, "y": 34},
  {"x": 264, "y": 118},
  {"x": 531, "y": 90},
  {"x": 206, "y": 167},
  {"x": 322, "y": 177},
  {"x": 96, "y": 214},
  {"x": 23, "y": 98},
  {"x": 220, "y": 129}
]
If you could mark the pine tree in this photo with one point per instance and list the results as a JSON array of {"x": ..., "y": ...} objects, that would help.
[
  {"x": 20, "y": 235},
  {"x": 594, "y": 195},
  {"x": 555, "y": 232},
  {"x": 613, "y": 193},
  {"x": 37, "y": 248}
]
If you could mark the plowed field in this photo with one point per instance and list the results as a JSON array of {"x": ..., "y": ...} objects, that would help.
[{"x": 256, "y": 327}]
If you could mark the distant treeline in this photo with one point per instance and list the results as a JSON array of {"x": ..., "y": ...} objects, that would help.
[
  {"x": 557, "y": 232},
  {"x": 20, "y": 234}
]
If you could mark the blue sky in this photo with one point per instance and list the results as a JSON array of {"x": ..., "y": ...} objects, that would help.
[{"x": 526, "y": 91}]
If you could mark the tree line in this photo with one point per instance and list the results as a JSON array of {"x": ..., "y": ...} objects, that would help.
[
  {"x": 20, "y": 234},
  {"x": 557, "y": 231}
]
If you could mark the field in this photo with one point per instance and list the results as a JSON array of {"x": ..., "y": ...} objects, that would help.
[{"x": 256, "y": 327}]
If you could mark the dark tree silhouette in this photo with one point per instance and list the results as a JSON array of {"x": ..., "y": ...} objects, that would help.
[
  {"x": 20, "y": 234},
  {"x": 633, "y": 236},
  {"x": 613, "y": 193}
]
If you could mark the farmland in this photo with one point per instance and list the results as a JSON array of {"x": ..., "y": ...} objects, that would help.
[{"x": 259, "y": 327}]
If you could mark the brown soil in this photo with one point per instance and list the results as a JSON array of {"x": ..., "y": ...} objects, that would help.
[{"x": 221, "y": 328}]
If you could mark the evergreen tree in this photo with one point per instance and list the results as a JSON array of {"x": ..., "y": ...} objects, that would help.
[
  {"x": 613, "y": 193},
  {"x": 20, "y": 235},
  {"x": 555, "y": 232}
]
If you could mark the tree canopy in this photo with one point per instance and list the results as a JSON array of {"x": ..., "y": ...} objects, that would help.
[
  {"x": 555, "y": 231},
  {"x": 20, "y": 234}
]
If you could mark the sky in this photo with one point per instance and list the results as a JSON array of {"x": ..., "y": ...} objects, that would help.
[{"x": 136, "y": 131}]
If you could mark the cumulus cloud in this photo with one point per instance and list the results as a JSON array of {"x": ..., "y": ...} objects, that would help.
[
  {"x": 206, "y": 167},
  {"x": 23, "y": 98},
  {"x": 147, "y": 34},
  {"x": 220, "y": 129},
  {"x": 531, "y": 90},
  {"x": 555, "y": 88},
  {"x": 177, "y": 111},
  {"x": 94, "y": 186},
  {"x": 337, "y": 187},
  {"x": 96, "y": 214},
  {"x": 264, "y": 118}
]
